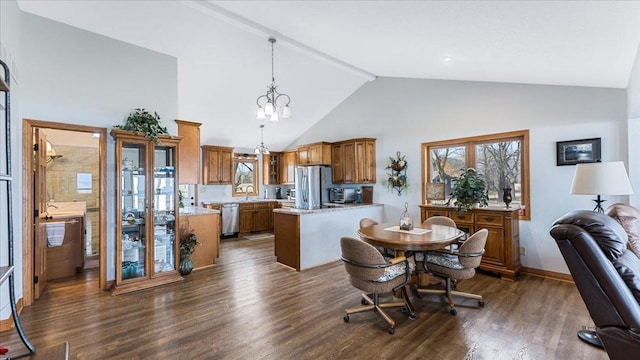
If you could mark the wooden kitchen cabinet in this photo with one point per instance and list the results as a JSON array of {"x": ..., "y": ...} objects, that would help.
[
  {"x": 271, "y": 169},
  {"x": 217, "y": 167},
  {"x": 247, "y": 215},
  {"x": 314, "y": 154},
  {"x": 287, "y": 166},
  {"x": 189, "y": 171},
  {"x": 256, "y": 216},
  {"x": 354, "y": 161},
  {"x": 502, "y": 251}
]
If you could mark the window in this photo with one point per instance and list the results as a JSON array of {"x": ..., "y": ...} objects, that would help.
[
  {"x": 502, "y": 158},
  {"x": 83, "y": 182}
]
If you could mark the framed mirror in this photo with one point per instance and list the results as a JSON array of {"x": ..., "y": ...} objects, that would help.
[{"x": 245, "y": 175}]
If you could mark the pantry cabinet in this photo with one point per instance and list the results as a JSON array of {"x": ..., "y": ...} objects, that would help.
[
  {"x": 147, "y": 248},
  {"x": 287, "y": 166},
  {"x": 217, "y": 167}
]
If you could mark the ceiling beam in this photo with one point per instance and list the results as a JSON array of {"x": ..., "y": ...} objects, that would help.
[{"x": 227, "y": 16}]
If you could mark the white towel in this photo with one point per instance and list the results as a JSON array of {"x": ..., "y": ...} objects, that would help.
[{"x": 55, "y": 233}]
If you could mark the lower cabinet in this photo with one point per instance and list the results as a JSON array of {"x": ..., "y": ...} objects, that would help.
[
  {"x": 257, "y": 216},
  {"x": 207, "y": 231},
  {"x": 502, "y": 251},
  {"x": 218, "y": 207}
]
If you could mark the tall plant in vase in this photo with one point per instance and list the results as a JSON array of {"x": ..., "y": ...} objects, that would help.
[{"x": 188, "y": 243}]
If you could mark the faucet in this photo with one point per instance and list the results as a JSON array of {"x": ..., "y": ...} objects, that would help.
[{"x": 246, "y": 191}]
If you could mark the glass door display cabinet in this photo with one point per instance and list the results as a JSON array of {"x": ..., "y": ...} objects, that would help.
[{"x": 147, "y": 245}]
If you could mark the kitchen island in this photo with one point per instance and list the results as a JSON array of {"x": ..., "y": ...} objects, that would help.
[
  {"x": 204, "y": 223},
  {"x": 307, "y": 238}
]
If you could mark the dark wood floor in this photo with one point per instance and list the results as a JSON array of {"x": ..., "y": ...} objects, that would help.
[{"x": 249, "y": 307}]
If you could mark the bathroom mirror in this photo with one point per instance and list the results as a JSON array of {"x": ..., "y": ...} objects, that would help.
[{"x": 245, "y": 175}]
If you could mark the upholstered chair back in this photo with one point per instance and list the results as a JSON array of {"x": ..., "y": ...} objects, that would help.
[
  {"x": 473, "y": 245},
  {"x": 360, "y": 252},
  {"x": 629, "y": 218},
  {"x": 364, "y": 222},
  {"x": 439, "y": 220}
]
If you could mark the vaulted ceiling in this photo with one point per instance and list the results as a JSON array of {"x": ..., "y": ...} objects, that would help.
[{"x": 326, "y": 50}]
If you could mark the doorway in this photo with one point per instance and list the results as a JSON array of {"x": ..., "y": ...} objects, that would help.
[{"x": 75, "y": 172}]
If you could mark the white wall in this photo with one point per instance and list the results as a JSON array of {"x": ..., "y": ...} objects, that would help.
[
  {"x": 633, "y": 114},
  {"x": 10, "y": 54},
  {"x": 403, "y": 113},
  {"x": 74, "y": 76}
]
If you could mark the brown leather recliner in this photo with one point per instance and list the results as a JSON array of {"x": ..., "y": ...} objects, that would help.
[{"x": 607, "y": 275}]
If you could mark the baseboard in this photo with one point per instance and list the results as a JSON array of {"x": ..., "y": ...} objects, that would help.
[
  {"x": 547, "y": 274},
  {"x": 8, "y": 324}
]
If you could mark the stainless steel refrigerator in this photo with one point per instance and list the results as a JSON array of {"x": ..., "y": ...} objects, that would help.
[{"x": 309, "y": 184}]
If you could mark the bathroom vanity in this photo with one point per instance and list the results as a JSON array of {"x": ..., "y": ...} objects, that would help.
[{"x": 65, "y": 227}]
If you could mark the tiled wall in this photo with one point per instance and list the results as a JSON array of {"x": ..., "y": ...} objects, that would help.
[{"x": 62, "y": 186}]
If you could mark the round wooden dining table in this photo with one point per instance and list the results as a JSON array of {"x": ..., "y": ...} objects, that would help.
[{"x": 421, "y": 238}]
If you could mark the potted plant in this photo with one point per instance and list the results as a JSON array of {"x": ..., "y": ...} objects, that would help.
[
  {"x": 188, "y": 243},
  {"x": 469, "y": 191},
  {"x": 140, "y": 121}
]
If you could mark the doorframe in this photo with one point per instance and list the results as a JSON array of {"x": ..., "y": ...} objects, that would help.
[{"x": 28, "y": 127}]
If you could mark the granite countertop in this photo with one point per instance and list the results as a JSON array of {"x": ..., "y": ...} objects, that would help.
[
  {"x": 194, "y": 210},
  {"x": 327, "y": 208},
  {"x": 242, "y": 201}
]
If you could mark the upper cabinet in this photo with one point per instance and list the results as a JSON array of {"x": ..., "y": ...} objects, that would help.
[
  {"x": 354, "y": 161},
  {"x": 314, "y": 154},
  {"x": 147, "y": 252},
  {"x": 287, "y": 167},
  {"x": 217, "y": 165},
  {"x": 189, "y": 172},
  {"x": 270, "y": 169}
]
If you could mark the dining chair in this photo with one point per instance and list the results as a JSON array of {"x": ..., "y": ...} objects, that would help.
[
  {"x": 369, "y": 271},
  {"x": 456, "y": 265},
  {"x": 439, "y": 220},
  {"x": 434, "y": 220},
  {"x": 364, "y": 222}
]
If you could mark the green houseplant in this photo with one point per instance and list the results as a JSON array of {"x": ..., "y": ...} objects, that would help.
[
  {"x": 469, "y": 191},
  {"x": 140, "y": 121}
]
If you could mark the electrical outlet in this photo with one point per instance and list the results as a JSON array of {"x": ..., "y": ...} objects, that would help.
[{"x": 523, "y": 250}]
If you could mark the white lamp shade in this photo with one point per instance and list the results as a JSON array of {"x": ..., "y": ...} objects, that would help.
[
  {"x": 286, "y": 112},
  {"x": 268, "y": 108},
  {"x": 604, "y": 178},
  {"x": 260, "y": 115},
  {"x": 274, "y": 117}
]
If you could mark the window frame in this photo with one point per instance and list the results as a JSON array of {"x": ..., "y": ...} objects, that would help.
[{"x": 469, "y": 143}]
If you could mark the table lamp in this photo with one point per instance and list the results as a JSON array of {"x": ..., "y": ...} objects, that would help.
[
  {"x": 435, "y": 192},
  {"x": 601, "y": 178}
]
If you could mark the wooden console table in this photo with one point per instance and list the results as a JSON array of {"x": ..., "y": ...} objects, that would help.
[{"x": 502, "y": 251}]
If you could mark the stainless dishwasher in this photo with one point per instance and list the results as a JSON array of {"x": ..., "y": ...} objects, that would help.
[{"x": 230, "y": 220}]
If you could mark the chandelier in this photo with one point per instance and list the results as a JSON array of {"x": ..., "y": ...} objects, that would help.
[
  {"x": 268, "y": 104},
  {"x": 262, "y": 148}
]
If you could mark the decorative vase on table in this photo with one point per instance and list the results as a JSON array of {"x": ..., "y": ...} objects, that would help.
[
  {"x": 186, "y": 265},
  {"x": 406, "y": 221},
  {"x": 506, "y": 196}
]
